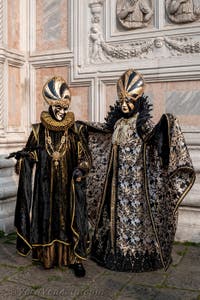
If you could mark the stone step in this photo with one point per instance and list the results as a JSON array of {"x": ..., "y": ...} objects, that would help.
[
  {"x": 188, "y": 224},
  {"x": 8, "y": 189}
]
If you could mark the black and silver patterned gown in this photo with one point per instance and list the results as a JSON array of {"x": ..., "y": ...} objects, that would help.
[{"x": 137, "y": 213}]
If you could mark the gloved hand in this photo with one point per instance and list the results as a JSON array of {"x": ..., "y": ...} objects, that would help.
[
  {"x": 77, "y": 174},
  {"x": 144, "y": 114},
  {"x": 19, "y": 154},
  {"x": 144, "y": 108}
]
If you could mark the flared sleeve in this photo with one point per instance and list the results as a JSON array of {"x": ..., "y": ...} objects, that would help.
[
  {"x": 99, "y": 141},
  {"x": 79, "y": 216},
  {"x": 26, "y": 161},
  {"x": 168, "y": 177},
  {"x": 181, "y": 172}
]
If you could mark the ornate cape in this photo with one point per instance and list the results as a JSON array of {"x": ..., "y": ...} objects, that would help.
[
  {"x": 51, "y": 213},
  {"x": 137, "y": 182}
]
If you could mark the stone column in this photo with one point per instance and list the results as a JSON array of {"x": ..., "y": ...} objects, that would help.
[{"x": 8, "y": 190}]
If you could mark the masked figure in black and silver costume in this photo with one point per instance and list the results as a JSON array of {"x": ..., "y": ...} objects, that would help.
[
  {"x": 51, "y": 219},
  {"x": 148, "y": 172}
]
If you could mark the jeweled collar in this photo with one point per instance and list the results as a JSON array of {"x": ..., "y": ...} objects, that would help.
[{"x": 54, "y": 125}]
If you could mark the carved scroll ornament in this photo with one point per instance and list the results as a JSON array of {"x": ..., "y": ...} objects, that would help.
[
  {"x": 101, "y": 51},
  {"x": 182, "y": 45}
]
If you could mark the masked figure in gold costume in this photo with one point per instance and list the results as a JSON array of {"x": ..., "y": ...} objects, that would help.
[
  {"x": 51, "y": 214},
  {"x": 147, "y": 173}
]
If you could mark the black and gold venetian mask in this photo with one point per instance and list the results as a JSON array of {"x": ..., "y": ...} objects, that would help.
[
  {"x": 57, "y": 94},
  {"x": 130, "y": 87}
]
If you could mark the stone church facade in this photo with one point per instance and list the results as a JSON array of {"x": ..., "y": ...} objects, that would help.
[{"x": 90, "y": 43}]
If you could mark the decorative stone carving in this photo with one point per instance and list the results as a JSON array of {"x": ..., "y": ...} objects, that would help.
[
  {"x": 97, "y": 41},
  {"x": 101, "y": 51},
  {"x": 159, "y": 42},
  {"x": 178, "y": 45},
  {"x": 134, "y": 14},
  {"x": 182, "y": 11},
  {"x": 96, "y": 6},
  {"x": 127, "y": 51},
  {"x": 182, "y": 45},
  {"x": 96, "y": 37}
]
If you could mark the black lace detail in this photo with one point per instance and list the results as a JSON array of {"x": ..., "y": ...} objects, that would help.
[
  {"x": 141, "y": 106},
  {"x": 160, "y": 138},
  {"x": 113, "y": 115},
  {"x": 139, "y": 262},
  {"x": 144, "y": 109}
]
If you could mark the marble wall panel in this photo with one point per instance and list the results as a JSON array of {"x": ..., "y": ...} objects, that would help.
[
  {"x": 183, "y": 103},
  {"x": 1, "y": 22},
  {"x": 51, "y": 24},
  {"x": 156, "y": 96},
  {"x": 111, "y": 95},
  {"x": 14, "y": 97},
  {"x": 13, "y": 24},
  {"x": 183, "y": 100},
  {"x": 42, "y": 75},
  {"x": 80, "y": 102}
]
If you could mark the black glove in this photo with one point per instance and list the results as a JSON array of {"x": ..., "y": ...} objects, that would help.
[
  {"x": 161, "y": 140},
  {"x": 25, "y": 152},
  {"x": 77, "y": 173},
  {"x": 19, "y": 154},
  {"x": 143, "y": 108}
]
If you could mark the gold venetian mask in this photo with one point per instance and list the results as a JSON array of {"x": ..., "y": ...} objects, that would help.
[
  {"x": 57, "y": 94},
  {"x": 130, "y": 87}
]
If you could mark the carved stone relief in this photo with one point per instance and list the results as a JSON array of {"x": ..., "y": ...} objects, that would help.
[
  {"x": 101, "y": 51},
  {"x": 96, "y": 7},
  {"x": 134, "y": 14},
  {"x": 182, "y": 45},
  {"x": 182, "y": 11},
  {"x": 96, "y": 37},
  {"x": 127, "y": 51}
]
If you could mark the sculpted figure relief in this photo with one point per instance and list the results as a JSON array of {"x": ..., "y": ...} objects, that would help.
[
  {"x": 182, "y": 11},
  {"x": 134, "y": 13},
  {"x": 97, "y": 40}
]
